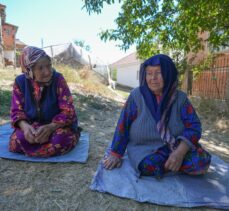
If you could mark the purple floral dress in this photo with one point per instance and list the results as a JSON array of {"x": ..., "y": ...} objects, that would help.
[{"x": 62, "y": 140}]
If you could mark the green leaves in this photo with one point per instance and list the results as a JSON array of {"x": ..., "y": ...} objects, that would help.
[
  {"x": 96, "y": 5},
  {"x": 82, "y": 44},
  {"x": 159, "y": 25}
]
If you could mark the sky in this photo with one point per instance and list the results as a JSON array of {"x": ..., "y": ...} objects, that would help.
[{"x": 62, "y": 21}]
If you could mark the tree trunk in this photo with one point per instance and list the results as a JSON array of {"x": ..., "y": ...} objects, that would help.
[{"x": 188, "y": 81}]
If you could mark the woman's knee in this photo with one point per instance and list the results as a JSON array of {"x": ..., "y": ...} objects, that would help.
[
  {"x": 16, "y": 140},
  {"x": 63, "y": 138},
  {"x": 196, "y": 162},
  {"x": 152, "y": 165}
]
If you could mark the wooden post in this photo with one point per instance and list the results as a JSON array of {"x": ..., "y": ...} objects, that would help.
[
  {"x": 188, "y": 81},
  {"x": 89, "y": 59}
]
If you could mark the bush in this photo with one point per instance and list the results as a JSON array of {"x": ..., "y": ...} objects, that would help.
[
  {"x": 5, "y": 99},
  {"x": 114, "y": 74}
]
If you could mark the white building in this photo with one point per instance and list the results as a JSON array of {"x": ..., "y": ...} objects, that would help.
[{"x": 127, "y": 70}]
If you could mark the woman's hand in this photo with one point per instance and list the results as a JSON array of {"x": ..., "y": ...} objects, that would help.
[
  {"x": 174, "y": 161},
  {"x": 110, "y": 161},
  {"x": 176, "y": 158},
  {"x": 29, "y": 131},
  {"x": 43, "y": 132}
]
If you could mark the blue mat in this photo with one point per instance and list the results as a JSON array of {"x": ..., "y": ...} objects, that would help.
[
  {"x": 78, "y": 154},
  {"x": 210, "y": 190}
]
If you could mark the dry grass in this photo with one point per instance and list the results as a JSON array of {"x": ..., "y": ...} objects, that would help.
[
  {"x": 9, "y": 73},
  {"x": 49, "y": 186},
  {"x": 214, "y": 114},
  {"x": 71, "y": 75},
  {"x": 65, "y": 186}
]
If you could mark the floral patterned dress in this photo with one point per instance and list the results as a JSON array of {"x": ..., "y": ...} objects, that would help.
[
  {"x": 60, "y": 141},
  {"x": 196, "y": 161}
]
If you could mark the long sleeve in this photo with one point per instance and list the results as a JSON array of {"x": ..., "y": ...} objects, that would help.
[
  {"x": 65, "y": 102},
  {"x": 192, "y": 132},
  {"x": 17, "y": 106},
  {"x": 121, "y": 136}
]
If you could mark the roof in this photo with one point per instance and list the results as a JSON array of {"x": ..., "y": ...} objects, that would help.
[
  {"x": 9, "y": 24},
  {"x": 19, "y": 42},
  {"x": 2, "y": 6},
  {"x": 130, "y": 59}
]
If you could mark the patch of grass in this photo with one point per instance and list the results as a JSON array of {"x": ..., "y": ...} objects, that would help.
[
  {"x": 9, "y": 73},
  {"x": 124, "y": 91},
  {"x": 70, "y": 74},
  {"x": 5, "y": 100},
  {"x": 89, "y": 90},
  {"x": 210, "y": 108},
  {"x": 114, "y": 74},
  {"x": 124, "y": 94},
  {"x": 86, "y": 104},
  {"x": 94, "y": 102},
  {"x": 91, "y": 82}
]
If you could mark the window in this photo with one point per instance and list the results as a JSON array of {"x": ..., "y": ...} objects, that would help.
[{"x": 8, "y": 31}]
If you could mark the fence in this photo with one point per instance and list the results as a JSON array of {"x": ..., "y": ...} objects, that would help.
[
  {"x": 75, "y": 56},
  {"x": 213, "y": 82}
]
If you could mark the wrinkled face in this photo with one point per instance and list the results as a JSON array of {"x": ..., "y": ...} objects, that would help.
[
  {"x": 42, "y": 70},
  {"x": 154, "y": 79}
]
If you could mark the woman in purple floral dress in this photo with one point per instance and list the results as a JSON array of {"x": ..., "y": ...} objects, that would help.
[{"x": 42, "y": 110}]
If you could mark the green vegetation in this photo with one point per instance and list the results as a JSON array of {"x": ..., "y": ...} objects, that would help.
[
  {"x": 121, "y": 92},
  {"x": 167, "y": 25},
  {"x": 82, "y": 44},
  {"x": 5, "y": 99},
  {"x": 205, "y": 108},
  {"x": 89, "y": 90},
  {"x": 205, "y": 64},
  {"x": 114, "y": 74},
  {"x": 9, "y": 73},
  {"x": 69, "y": 73}
]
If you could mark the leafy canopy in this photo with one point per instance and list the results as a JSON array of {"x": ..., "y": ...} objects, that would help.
[{"x": 166, "y": 24}]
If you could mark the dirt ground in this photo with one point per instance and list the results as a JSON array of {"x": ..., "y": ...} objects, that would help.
[{"x": 58, "y": 186}]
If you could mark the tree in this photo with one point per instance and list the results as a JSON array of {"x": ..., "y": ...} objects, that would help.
[
  {"x": 82, "y": 44},
  {"x": 155, "y": 25}
]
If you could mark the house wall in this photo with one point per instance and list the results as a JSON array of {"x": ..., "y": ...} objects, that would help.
[
  {"x": 8, "y": 35},
  {"x": 9, "y": 55},
  {"x": 128, "y": 75},
  {"x": 19, "y": 49}
]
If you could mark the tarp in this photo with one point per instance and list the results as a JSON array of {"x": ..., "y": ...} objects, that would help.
[
  {"x": 78, "y": 154},
  {"x": 180, "y": 190},
  {"x": 71, "y": 52}
]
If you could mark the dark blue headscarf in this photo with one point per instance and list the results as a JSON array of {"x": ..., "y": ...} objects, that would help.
[{"x": 170, "y": 77}]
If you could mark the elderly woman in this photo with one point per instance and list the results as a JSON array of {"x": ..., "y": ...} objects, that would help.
[
  {"x": 42, "y": 110},
  {"x": 158, "y": 126}
]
